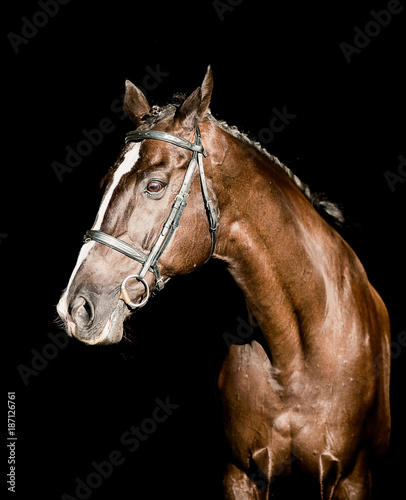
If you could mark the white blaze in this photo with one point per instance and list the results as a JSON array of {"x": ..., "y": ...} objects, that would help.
[{"x": 129, "y": 160}]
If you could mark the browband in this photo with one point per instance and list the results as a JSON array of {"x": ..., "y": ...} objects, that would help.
[{"x": 140, "y": 135}]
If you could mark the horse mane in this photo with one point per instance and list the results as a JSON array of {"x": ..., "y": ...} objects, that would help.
[
  {"x": 328, "y": 209},
  {"x": 319, "y": 200}
]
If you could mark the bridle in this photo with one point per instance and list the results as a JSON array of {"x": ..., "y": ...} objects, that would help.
[{"x": 150, "y": 261}]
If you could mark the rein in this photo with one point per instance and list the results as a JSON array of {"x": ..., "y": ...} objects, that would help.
[{"x": 150, "y": 261}]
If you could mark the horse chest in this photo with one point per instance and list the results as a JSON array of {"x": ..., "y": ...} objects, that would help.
[
  {"x": 264, "y": 426},
  {"x": 254, "y": 413}
]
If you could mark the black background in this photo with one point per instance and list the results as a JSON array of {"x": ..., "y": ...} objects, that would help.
[{"x": 349, "y": 130}]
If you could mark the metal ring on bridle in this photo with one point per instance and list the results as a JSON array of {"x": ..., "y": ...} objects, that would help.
[{"x": 124, "y": 294}]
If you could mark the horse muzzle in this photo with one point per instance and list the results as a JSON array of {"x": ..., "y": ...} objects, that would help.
[{"x": 88, "y": 321}]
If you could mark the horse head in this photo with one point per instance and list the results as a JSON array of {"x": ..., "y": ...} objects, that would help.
[{"x": 137, "y": 213}]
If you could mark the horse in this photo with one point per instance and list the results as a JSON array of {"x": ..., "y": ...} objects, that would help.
[{"x": 302, "y": 399}]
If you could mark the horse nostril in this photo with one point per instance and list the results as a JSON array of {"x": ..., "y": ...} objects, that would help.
[{"x": 81, "y": 312}]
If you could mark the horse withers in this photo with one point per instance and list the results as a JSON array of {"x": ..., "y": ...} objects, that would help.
[{"x": 303, "y": 398}]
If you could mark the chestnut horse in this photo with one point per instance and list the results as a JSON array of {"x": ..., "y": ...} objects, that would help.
[{"x": 303, "y": 399}]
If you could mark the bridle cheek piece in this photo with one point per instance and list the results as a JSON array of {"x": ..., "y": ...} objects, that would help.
[{"x": 150, "y": 261}]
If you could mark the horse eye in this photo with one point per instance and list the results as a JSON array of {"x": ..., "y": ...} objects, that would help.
[{"x": 155, "y": 186}]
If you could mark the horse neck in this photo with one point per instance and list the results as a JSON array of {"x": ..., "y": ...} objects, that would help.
[{"x": 273, "y": 242}]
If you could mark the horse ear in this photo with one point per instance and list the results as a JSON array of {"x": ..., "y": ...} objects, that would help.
[
  {"x": 207, "y": 89},
  {"x": 195, "y": 107},
  {"x": 135, "y": 103}
]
